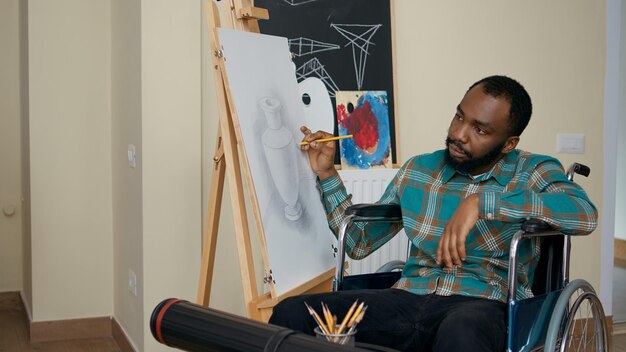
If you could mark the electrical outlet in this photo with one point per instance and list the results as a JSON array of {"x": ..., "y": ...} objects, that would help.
[
  {"x": 132, "y": 156},
  {"x": 132, "y": 282}
]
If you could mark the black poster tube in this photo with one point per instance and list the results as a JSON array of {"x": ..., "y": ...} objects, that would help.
[{"x": 191, "y": 327}]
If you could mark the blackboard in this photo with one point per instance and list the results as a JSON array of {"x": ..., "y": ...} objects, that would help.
[{"x": 346, "y": 43}]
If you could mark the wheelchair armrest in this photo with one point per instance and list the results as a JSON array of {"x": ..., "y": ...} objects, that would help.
[
  {"x": 552, "y": 270},
  {"x": 361, "y": 212},
  {"x": 389, "y": 211},
  {"x": 535, "y": 225}
]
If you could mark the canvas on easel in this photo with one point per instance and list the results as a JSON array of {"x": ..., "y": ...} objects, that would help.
[
  {"x": 263, "y": 86},
  {"x": 282, "y": 208}
]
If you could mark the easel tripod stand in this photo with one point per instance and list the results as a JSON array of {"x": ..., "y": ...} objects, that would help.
[{"x": 228, "y": 161}]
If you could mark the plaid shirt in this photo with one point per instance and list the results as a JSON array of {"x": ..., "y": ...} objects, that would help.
[{"x": 520, "y": 186}]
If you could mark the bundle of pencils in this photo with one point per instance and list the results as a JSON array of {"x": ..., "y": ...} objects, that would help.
[{"x": 332, "y": 329}]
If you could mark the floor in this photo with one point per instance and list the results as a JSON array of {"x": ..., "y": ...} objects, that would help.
[{"x": 14, "y": 334}]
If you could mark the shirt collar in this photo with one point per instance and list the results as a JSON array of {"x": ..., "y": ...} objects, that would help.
[{"x": 503, "y": 171}]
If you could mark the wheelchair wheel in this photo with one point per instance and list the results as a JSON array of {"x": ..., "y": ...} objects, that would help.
[{"x": 578, "y": 322}]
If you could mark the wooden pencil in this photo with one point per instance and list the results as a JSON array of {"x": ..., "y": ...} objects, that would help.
[
  {"x": 317, "y": 319},
  {"x": 353, "y": 326},
  {"x": 321, "y": 140},
  {"x": 346, "y": 319},
  {"x": 356, "y": 314},
  {"x": 329, "y": 319}
]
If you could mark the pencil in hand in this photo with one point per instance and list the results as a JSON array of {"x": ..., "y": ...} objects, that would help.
[{"x": 321, "y": 140}]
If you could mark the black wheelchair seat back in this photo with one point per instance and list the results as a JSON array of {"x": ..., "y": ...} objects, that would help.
[
  {"x": 548, "y": 275},
  {"x": 370, "y": 281}
]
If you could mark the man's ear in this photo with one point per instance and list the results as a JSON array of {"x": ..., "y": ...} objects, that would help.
[{"x": 510, "y": 144}]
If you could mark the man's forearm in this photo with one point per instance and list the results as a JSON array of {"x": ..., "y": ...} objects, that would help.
[{"x": 327, "y": 173}]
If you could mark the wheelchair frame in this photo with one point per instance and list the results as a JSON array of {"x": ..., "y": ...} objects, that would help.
[{"x": 548, "y": 321}]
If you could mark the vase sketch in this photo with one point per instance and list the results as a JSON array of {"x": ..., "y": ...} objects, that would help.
[{"x": 281, "y": 156}]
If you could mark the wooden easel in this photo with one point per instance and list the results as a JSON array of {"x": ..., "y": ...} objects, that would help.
[{"x": 243, "y": 16}]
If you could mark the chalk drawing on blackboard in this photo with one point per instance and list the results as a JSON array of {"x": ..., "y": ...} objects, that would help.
[
  {"x": 298, "y": 2},
  {"x": 360, "y": 38},
  {"x": 307, "y": 46},
  {"x": 314, "y": 68},
  {"x": 365, "y": 115}
]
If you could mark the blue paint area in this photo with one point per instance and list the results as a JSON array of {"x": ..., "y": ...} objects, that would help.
[{"x": 357, "y": 157}]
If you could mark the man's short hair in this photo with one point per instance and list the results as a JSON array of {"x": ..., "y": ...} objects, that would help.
[{"x": 515, "y": 94}]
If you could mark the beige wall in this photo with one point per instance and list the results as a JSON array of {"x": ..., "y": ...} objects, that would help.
[
  {"x": 25, "y": 159},
  {"x": 171, "y": 153},
  {"x": 156, "y": 106},
  {"x": 556, "y": 49},
  {"x": 70, "y": 152},
  {"x": 127, "y": 181},
  {"x": 105, "y": 74},
  {"x": 10, "y": 182}
]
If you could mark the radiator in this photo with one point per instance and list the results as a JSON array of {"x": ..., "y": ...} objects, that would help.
[{"x": 366, "y": 186}]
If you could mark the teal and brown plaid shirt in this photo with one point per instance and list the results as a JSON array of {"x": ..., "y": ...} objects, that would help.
[{"x": 520, "y": 186}]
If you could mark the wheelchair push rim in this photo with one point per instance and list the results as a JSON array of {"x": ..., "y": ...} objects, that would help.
[{"x": 578, "y": 322}]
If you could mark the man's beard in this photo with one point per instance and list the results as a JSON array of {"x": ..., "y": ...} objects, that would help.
[{"x": 472, "y": 163}]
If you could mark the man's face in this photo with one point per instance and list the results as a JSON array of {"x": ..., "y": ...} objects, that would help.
[{"x": 478, "y": 135}]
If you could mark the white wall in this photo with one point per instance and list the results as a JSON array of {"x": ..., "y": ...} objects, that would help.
[
  {"x": 70, "y": 152},
  {"x": 10, "y": 178},
  {"x": 611, "y": 137},
  {"x": 620, "y": 195}
]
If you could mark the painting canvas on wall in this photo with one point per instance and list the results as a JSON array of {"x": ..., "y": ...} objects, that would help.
[
  {"x": 269, "y": 112},
  {"x": 365, "y": 116}
]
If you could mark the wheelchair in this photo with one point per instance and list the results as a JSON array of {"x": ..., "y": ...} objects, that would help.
[{"x": 562, "y": 315}]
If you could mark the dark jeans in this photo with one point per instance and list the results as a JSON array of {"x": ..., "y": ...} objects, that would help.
[{"x": 405, "y": 321}]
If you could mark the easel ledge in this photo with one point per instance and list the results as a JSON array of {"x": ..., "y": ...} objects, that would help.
[
  {"x": 265, "y": 303},
  {"x": 243, "y": 16}
]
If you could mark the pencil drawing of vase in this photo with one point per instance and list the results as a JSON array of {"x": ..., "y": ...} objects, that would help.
[{"x": 280, "y": 152}]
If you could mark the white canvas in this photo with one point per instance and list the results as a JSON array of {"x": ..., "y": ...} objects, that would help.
[{"x": 261, "y": 76}]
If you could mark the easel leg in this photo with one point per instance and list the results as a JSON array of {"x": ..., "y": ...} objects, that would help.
[
  {"x": 235, "y": 185},
  {"x": 230, "y": 167},
  {"x": 209, "y": 242}
]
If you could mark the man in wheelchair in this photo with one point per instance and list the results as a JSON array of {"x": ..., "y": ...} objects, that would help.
[{"x": 460, "y": 207}]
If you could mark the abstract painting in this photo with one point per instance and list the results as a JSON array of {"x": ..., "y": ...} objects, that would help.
[{"x": 364, "y": 115}]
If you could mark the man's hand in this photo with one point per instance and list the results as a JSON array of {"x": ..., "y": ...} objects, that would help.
[
  {"x": 451, "y": 247},
  {"x": 321, "y": 155}
]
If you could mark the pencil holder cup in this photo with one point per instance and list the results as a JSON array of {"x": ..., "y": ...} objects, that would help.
[{"x": 346, "y": 338}]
